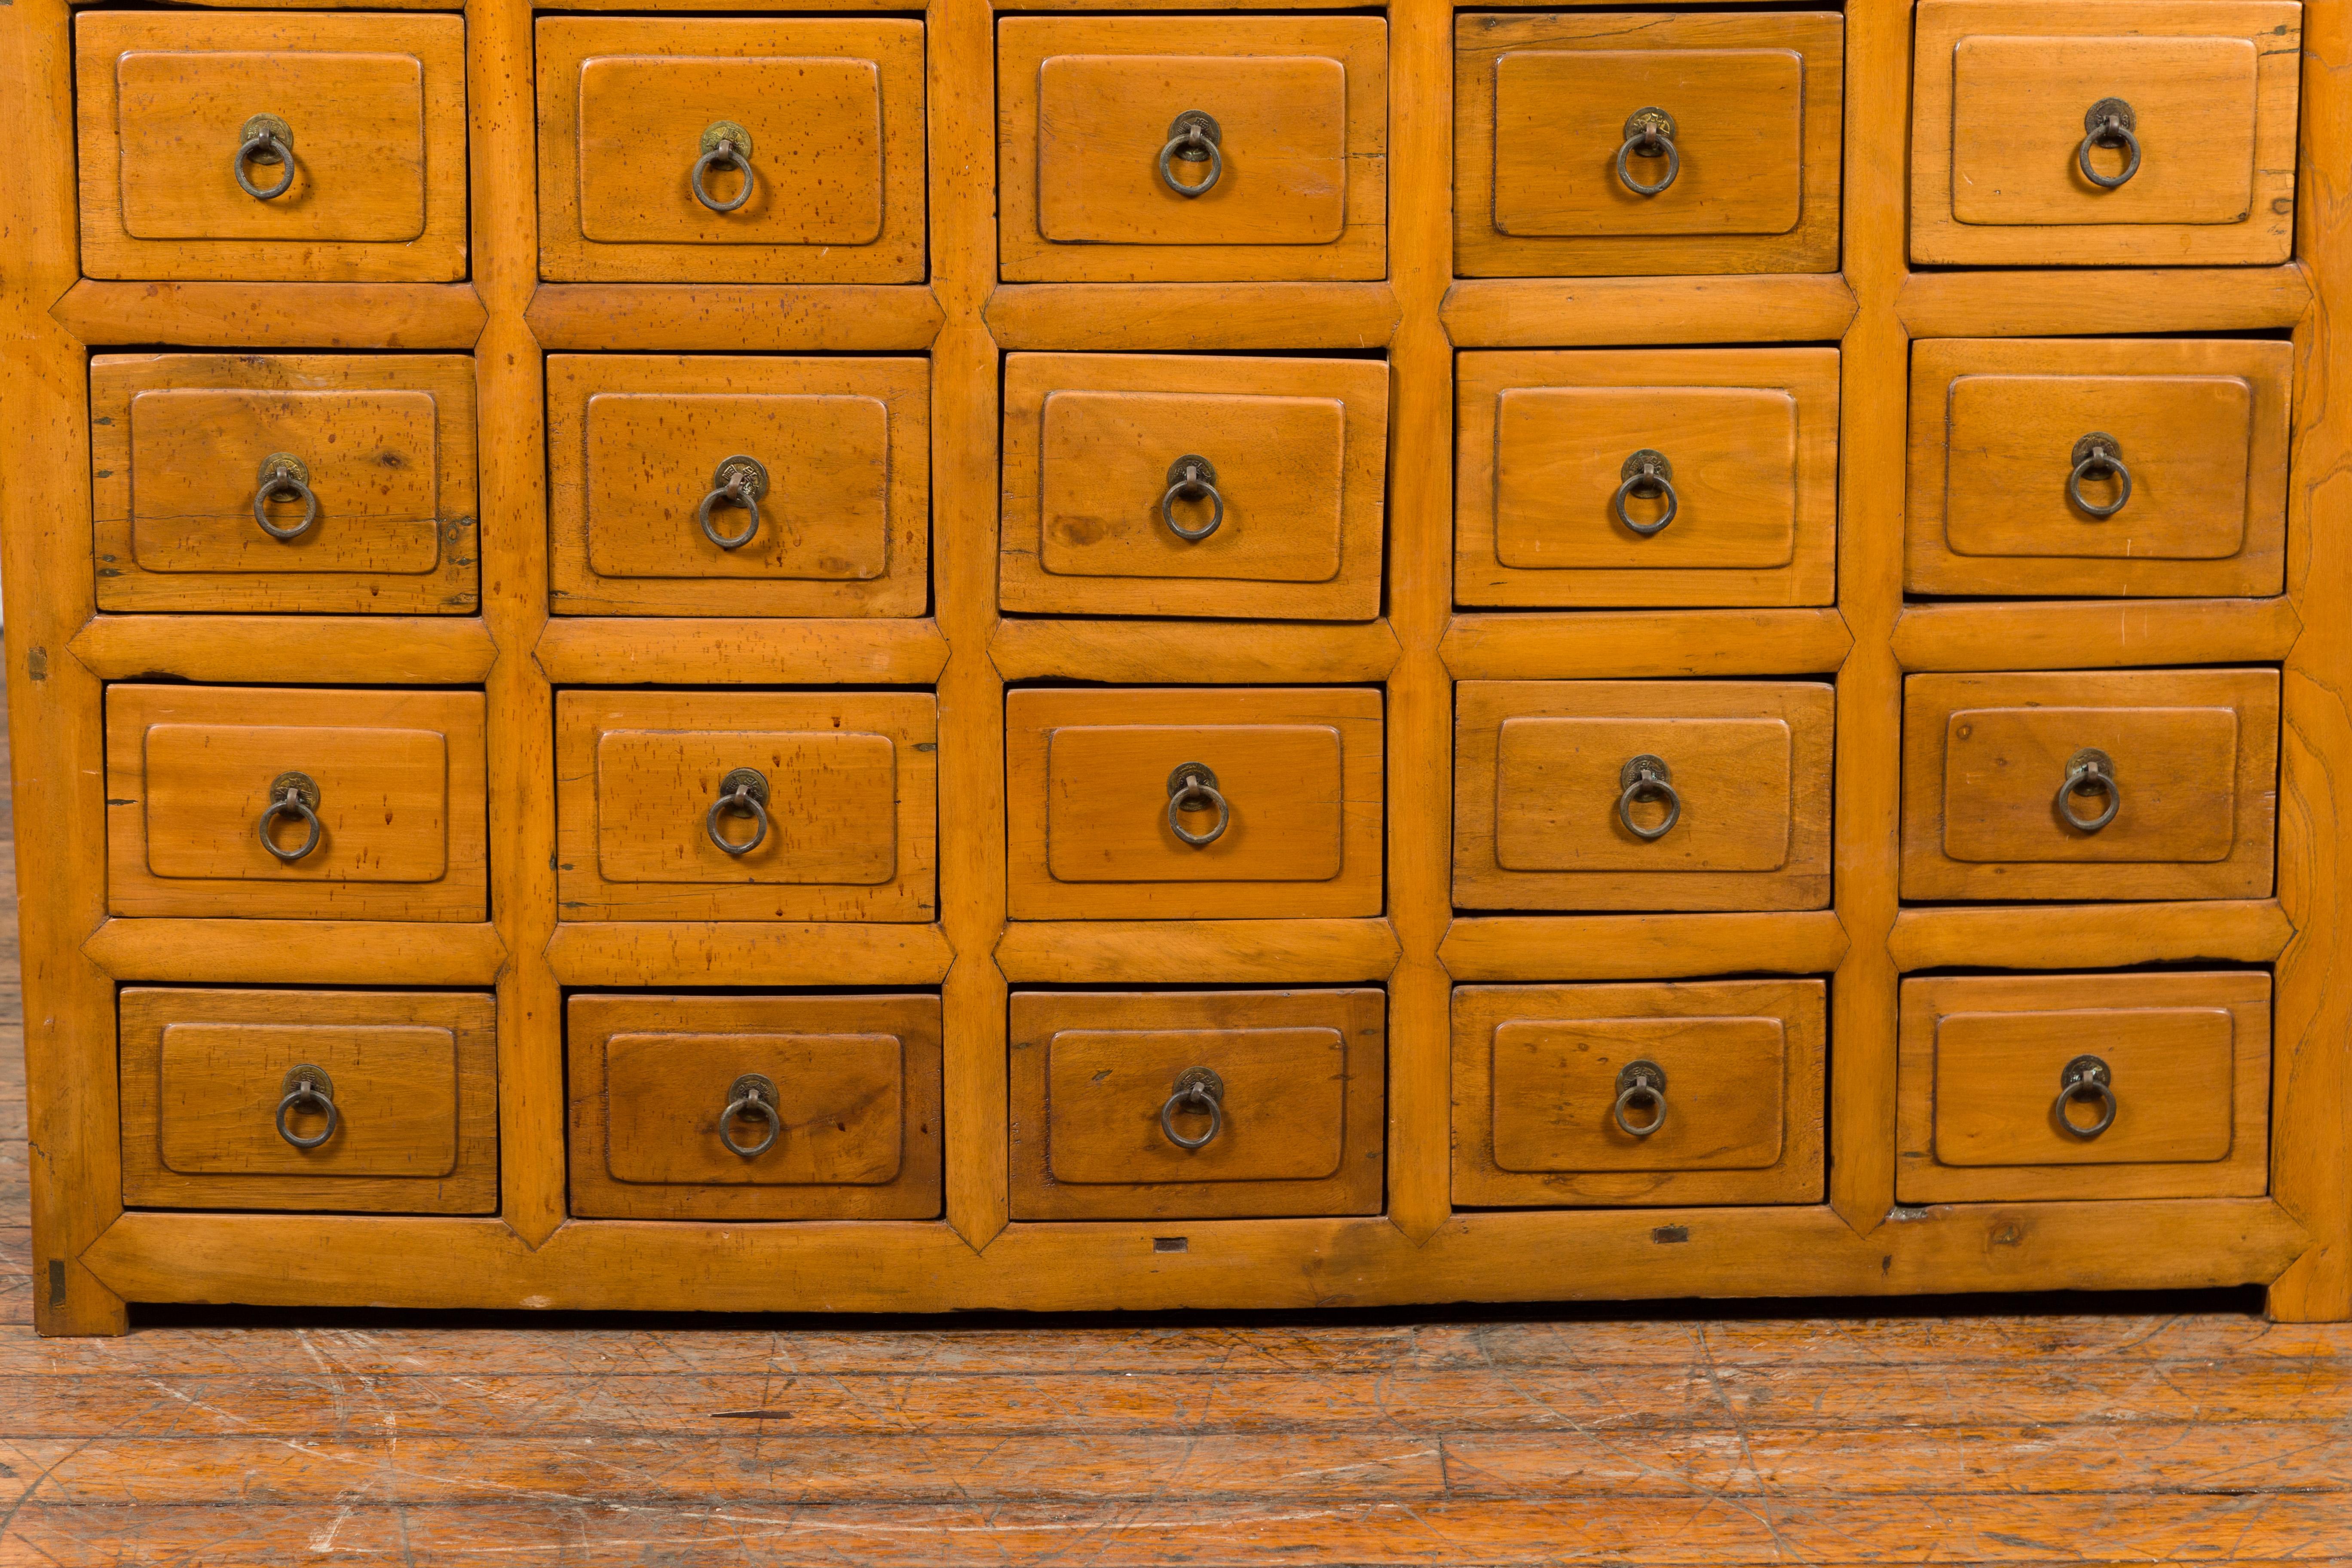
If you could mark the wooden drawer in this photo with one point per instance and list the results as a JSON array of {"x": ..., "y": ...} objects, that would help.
[
  {"x": 630, "y": 106},
  {"x": 1691, "y": 1093},
  {"x": 637, "y": 444},
  {"x": 1554, "y": 172},
  {"x": 2005, "y": 169},
  {"x": 2012, "y": 491},
  {"x": 376, "y": 515},
  {"x": 840, "y": 817},
  {"x": 1278, "y": 1094},
  {"x": 214, "y": 792},
  {"x": 667, "y": 1095},
  {"x": 375, "y": 107},
  {"x": 1283, "y": 521},
  {"x": 2191, "y": 754},
  {"x": 1094, "y": 144},
  {"x": 399, "y": 1106},
  {"x": 1551, "y": 810},
  {"x": 1097, "y": 784},
  {"x": 1553, "y": 505},
  {"x": 1986, "y": 1112}
]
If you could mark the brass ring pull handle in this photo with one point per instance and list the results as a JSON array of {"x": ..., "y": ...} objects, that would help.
[
  {"x": 2099, "y": 455},
  {"x": 1193, "y": 138},
  {"x": 307, "y": 1085},
  {"x": 1202, "y": 1090},
  {"x": 284, "y": 474},
  {"x": 1646, "y": 475},
  {"x": 739, "y": 482},
  {"x": 2085, "y": 1075},
  {"x": 1648, "y": 775},
  {"x": 1194, "y": 478},
  {"x": 1192, "y": 787},
  {"x": 268, "y": 140},
  {"x": 2090, "y": 769},
  {"x": 752, "y": 1095},
  {"x": 1643, "y": 1084},
  {"x": 1649, "y": 134},
  {"x": 2110, "y": 122},
  {"x": 291, "y": 794},
  {"x": 744, "y": 793},
  {"x": 725, "y": 145}
]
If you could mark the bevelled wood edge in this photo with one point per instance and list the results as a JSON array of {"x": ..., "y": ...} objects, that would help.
[
  {"x": 638, "y": 953},
  {"x": 375, "y": 650},
  {"x": 1549, "y": 312},
  {"x": 1193, "y": 652},
  {"x": 1568, "y": 644},
  {"x": 2069, "y": 304},
  {"x": 1215, "y": 953},
  {"x": 1144, "y": 317},
  {"x": 298, "y": 952},
  {"x": 2090, "y": 936},
  {"x": 2095, "y": 634},
  {"x": 739, "y": 318},
  {"x": 630, "y": 650},
  {"x": 274, "y": 315},
  {"x": 1641, "y": 947}
]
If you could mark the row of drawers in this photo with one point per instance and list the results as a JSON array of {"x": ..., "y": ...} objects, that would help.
[
  {"x": 1199, "y": 1104},
  {"x": 1189, "y": 802},
  {"x": 280, "y": 145},
  {"x": 1188, "y": 485}
]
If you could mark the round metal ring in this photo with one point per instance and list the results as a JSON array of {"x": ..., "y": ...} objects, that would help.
[
  {"x": 2094, "y": 456},
  {"x": 265, "y": 142},
  {"x": 283, "y": 474},
  {"x": 1192, "y": 787},
  {"x": 2110, "y": 122},
  {"x": 1649, "y": 134},
  {"x": 751, "y": 1095},
  {"x": 723, "y": 152},
  {"x": 2084, "y": 1075},
  {"x": 2089, "y": 770},
  {"x": 1193, "y": 138},
  {"x": 1648, "y": 475},
  {"x": 289, "y": 802},
  {"x": 1648, "y": 775},
  {"x": 1191, "y": 475},
  {"x": 1641, "y": 1090},
  {"x": 745, "y": 792},
  {"x": 1204, "y": 1091},
  {"x": 741, "y": 481},
  {"x": 307, "y": 1092}
]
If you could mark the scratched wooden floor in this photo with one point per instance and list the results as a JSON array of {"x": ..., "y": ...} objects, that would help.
[{"x": 2180, "y": 1431}]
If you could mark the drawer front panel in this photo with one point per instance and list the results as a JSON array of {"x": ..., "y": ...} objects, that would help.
[
  {"x": 289, "y": 803},
  {"x": 393, "y": 1092},
  {"x": 2009, "y": 778},
  {"x": 2002, "y": 1081},
  {"x": 755, "y": 1106},
  {"x": 1719, "y": 1085},
  {"x": 1286, "y": 1120},
  {"x": 1287, "y": 819}
]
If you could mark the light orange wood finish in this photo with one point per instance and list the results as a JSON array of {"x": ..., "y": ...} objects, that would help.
[
  {"x": 411, "y": 1076},
  {"x": 1138, "y": 650},
  {"x": 1993, "y": 303},
  {"x": 1630, "y": 947},
  {"x": 352, "y": 649},
  {"x": 1191, "y": 316},
  {"x": 1530, "y": 312},
  {"x": 1631, "y": 643},
  {"x": 279, "y": 952},
  {"x": 402, "y": 316},
  {"x": 751, "y": 954},
  {"x": 1295, "y": 1128},
  {"x": 1220, "y": 952},
  {"x": 2187, "y": 1058},
  {"x": 2083, "y": 936},
  {"x": 855, "y": 1117},
  {"x": 834, "y": 111},
  {"x": 2091, "y": 633},
  {"x": 2194, "y": 757},
  {"x": 846, "y": 832},
  {"x": 1085, "y": 107},
  {"x": 583, "y": 651},
  {"x": 2000, "y": 108},
  {"x": 376, "y": 107},
  {"x": 735, "y": 318},
  {"x": 1542, "y": 106},
  {"x": 1298, "y": 449}
]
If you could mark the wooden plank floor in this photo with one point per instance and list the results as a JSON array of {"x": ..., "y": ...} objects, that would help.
[{"x": 2177, "y": 1431}]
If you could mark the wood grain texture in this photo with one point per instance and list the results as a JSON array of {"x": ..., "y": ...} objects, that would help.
[
  {"x": 266, "y": 952},
  {"x": 2095, "y": 634},
  {"x": 230, "y": 649},
  {"x": 1532, "y": 313},
  {"x": 1223, "y": 952},
  {"x": 735, "y": 318},
  {"x": 1636, "y": 644},
  {"x": 1984, "y": 304},
  {"x": 407, "y": 316},
  {"x": 1148, "y": 650},
  {"x": 1192, "y": 316},
  {"x": 2083, "y": 936},
  {"x": 746, "y": 952},
  {"x": 1632, "y": 947},
  {"x": 779, "y": 651}
]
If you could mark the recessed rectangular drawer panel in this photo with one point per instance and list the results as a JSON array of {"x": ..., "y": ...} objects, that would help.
[
  {"x": 747, "y": 806},
  {"x": 184, "y": 446},
  {"x": 1281, "y": 517},
  {"x": 309, "y": 1099},
  {"x": 2084, "y": 1086},
  {"x": 268, "y": 802},
  {"x": 1646, "y": 477},
  {"x": 1624, "y": 794},
  {"x": 1196, "y": 1104},
  {"x": 1187, "y": 803},
  {"x": 1705, "y": 1093},
  {"x": 1180, "y": 148},
  {"x": 827, "y": 114},
  {"x": 2131, "y": 134},
  {"x": 175, "y": 109},
  {"x": 832, "y": 515},
  {"x": 1734, "y": 170},
  {"x": 2097, "y": 785},
  {"x": 2021, "y": 450},
  {"x": 755, "y": 1108}
]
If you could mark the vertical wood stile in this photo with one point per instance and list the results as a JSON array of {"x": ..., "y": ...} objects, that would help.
[{"x": 1870, "y": 456}]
